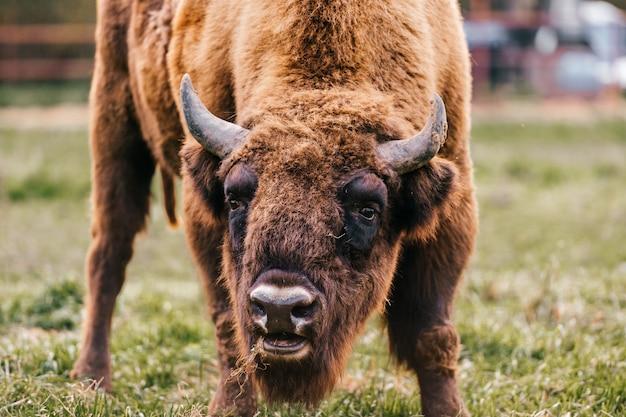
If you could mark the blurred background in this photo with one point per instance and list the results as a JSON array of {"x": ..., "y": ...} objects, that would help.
[
  {"x": 531, "y": 48},
  {"x": 46, "y": 51},
  {"x": 547, "y": 48}
]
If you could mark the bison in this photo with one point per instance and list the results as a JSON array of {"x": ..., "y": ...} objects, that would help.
[{"x": 317, "y": 188}]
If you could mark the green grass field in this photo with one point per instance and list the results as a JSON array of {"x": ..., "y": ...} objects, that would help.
[{"x": 541, "y": 313}]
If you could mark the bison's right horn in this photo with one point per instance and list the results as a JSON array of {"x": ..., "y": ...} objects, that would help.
[
  {"x": 216, "y": 135},
  {"x": 407, "y": 155}
]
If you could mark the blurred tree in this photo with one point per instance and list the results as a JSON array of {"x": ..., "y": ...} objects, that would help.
[
  {"x": 46, "y": 11},
  {"x": 619, "y": 3}
]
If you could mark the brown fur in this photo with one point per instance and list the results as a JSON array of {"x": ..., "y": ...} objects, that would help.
[{"x": 319, "y": 84}]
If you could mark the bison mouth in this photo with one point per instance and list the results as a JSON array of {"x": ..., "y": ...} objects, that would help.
[{"x": 285, "y": 345}]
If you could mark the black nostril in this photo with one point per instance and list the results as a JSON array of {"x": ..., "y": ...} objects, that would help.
[
  {"x": 305, "y": 311},
  {"x": 300, "y": 312},
  {"x": 257, "y": 309}
]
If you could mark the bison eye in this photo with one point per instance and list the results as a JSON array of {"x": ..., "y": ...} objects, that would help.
[
  {"x": 368, "y": 213},
  {"x": 233, "y": 203},
  {"x": 239, "y": 188},
  {"x": 364, "y": 199}
]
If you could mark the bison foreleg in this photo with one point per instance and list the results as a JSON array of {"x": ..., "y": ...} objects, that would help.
[
  {"x": 437, "y": 354},
  {"x": 236, "y": 394},
  {"x": 421, "y": 332},
  {"x": 122, "y": 170}
]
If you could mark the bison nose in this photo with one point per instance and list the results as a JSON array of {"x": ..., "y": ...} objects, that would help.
[{"x": 283, "y": 309}]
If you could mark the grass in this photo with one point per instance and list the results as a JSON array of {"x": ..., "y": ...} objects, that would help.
[{"x": 542, "y": 311}]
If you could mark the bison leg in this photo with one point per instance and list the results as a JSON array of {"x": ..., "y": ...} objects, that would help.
[
  {"x": 421, "y": 332},
  {"x": 236, "y": 394},
  {"x": 122, "y": 170}
]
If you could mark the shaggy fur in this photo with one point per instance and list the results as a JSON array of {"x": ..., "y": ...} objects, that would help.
[{"x": 319, "y": 84}]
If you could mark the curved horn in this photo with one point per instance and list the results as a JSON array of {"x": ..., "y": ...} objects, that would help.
[
  {"x": 405, "y": 156},
  {"x": 216, "y": 135}
]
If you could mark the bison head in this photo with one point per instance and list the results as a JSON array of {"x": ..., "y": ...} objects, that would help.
[{"x": 313, "y": 215}]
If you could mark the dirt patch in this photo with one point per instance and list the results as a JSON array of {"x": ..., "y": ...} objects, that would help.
[
  {"x": 55, "y": 117},
  {"x": 572, "y": 110}
]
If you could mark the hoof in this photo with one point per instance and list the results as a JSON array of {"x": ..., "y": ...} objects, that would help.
[{"x": 97, "y": 378}]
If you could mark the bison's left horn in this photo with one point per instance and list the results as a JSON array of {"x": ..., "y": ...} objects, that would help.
[
  {"x": 216, "y": 135},
  {"x": 408, "y": 155}
]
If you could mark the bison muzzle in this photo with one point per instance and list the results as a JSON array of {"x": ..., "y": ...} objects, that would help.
[
  {"x": 285, "y": 309},
  {"x": 323, "y": 181}
]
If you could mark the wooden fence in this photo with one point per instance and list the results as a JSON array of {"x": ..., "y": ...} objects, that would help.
[{"x": 46, "y": 52}]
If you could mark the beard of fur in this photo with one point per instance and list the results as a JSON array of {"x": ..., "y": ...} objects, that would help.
[{"x": 306, "y": 381}]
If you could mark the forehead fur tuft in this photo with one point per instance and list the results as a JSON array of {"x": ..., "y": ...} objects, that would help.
[{"x": 335, "y": 129}]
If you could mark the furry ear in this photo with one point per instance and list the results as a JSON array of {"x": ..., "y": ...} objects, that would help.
[{"x": 426, "y": 197}]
